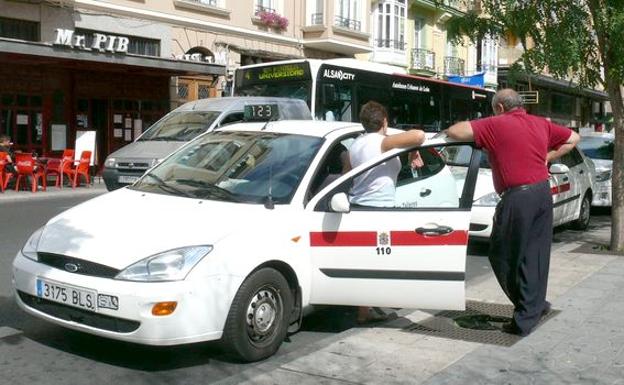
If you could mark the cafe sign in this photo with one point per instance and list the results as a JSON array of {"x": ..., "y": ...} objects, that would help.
[{"x": 98, "y": 41}]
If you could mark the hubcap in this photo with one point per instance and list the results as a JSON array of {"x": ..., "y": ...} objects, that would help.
[
  {"x": 262, "y": 313},
  {"x": 585, "y": 211}
]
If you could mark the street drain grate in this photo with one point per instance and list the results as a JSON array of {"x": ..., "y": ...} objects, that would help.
[{"x": 481, "y": 322}]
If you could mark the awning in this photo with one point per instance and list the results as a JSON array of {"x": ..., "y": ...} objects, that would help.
[
  {"x": 557, "y": 84},
  {"x": 19, "y": 51}
]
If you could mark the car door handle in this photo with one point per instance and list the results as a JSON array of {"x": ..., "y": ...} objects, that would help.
[
  {"x": 580, "y": 171},
  {"x": 425, "y": 192},
  {"x": 438, "y": 230}
]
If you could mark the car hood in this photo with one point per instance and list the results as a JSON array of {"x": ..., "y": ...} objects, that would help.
[
  {"x": 125, "y": 226},
  {"x": 148, "y": 149}
]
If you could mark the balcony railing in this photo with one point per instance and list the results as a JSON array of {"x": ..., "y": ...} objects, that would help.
[
  {"x": 343, "y": 22},
  {"x": 317, "y": 18},
  {"x": 423, "y": 59},
  {"x": 260, "y": 8},
  {"x": 453, "y": 66},
  {"x": 389, "y": 43}
]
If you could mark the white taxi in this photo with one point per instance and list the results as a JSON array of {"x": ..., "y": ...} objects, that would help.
[
  {"x": 571, "y": 185},
  {"x": 235, "y": 234}
]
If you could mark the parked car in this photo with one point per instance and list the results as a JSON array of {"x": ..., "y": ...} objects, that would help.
[
  {"x": 126, "y": 165},
  {"x": 599, "y": 147},
  {"x": 240, "y": 232},
  {"x": 571, "y": 182}
]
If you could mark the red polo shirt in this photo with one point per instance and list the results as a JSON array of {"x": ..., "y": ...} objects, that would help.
[{"x": 517, "y": 144}]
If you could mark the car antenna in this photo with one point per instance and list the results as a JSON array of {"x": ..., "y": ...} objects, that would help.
[
  {"x": 272, "y": 119},
  {"x": 268, "y": 203}
]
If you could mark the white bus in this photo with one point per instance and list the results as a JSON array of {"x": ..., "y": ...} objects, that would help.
[{"x": 335, "y": 89}]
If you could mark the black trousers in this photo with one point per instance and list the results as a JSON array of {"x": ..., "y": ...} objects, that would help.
[{"x": 520, "y": 250}]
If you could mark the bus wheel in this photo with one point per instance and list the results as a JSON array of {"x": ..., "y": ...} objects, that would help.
[{"x": 258, "y": 319}]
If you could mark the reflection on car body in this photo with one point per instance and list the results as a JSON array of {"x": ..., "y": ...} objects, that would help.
[{"x": 240, "y": 232}]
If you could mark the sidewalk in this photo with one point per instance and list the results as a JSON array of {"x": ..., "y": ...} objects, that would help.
[
  {"x": 52, "y": 192},
  {"x": 582, "y": 342}
]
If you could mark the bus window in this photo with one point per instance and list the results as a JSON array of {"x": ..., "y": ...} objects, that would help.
[
  {"x": 460, "y": 110},
  {"x": 335, "y": 103}
]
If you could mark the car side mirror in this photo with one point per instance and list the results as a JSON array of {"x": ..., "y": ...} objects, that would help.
[
  {"x": 558, "y": 168},
  {"x": 339, "y": 203}
]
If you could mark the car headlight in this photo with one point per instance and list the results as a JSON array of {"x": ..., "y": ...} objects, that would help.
[
  {"x": 156, "y": 161},
  {"x": 603, "y": 176},
  {"x": 30, "y": 248},
  {"x": 110, "y": 162},
  {"x": 488, "y": 200},
  {"x": 172, "y": 265}
]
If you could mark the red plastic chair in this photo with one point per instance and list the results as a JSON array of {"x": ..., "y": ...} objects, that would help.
[
  {"x": 25, "y": 164},
  {"x": 2, "y": 163},
  {"x": 58, "y": 167},
  {"x": 81, "y": 169}
]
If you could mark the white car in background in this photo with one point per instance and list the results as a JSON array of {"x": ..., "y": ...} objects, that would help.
[
  {"x": 598, "y": 146},
  {"x": 571, "y": 183},
  {"x": 235, "y": 234}
]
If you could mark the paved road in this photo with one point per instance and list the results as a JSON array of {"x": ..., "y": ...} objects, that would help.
[{"x": 35, "y": 352}]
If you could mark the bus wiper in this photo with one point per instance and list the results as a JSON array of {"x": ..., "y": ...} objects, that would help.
[
  {"x": 166, "y": 186},
  {"x": 210, "y": 188}
]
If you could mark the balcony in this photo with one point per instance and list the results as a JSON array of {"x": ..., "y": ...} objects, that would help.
[
  {"x": 423, "y": 61},
  {"x": 260, "y": 9},
  {"x": 342, "y": 22},
  {"x": 453, "y": 66},
  {"x": 205, "y": 6},
  {"x": 397, "y": 45}
]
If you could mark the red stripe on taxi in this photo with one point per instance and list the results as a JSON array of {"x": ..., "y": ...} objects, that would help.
[
  {"x": 412, "y": 238},
  {"x": 343, "y": 238}
]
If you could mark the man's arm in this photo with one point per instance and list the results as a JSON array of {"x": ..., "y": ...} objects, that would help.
[
  {"x": 404, "y": 139},
  {"x": 461, "y": 131},
  {"x": 565, "y": 148}
]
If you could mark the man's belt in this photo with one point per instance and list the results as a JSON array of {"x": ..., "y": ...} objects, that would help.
[{"x": 522, "y": 187}]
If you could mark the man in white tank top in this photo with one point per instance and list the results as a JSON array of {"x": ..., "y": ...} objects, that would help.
[{"x": 376, "y": 187}]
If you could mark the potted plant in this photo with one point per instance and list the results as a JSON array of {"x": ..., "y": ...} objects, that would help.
[{"x": 273, "y": 20}]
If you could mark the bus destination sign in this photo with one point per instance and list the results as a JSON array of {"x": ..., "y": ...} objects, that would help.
[{"x": 294, "y": 71}]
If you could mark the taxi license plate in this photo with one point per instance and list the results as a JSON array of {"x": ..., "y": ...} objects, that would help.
[
  {"x": 127, "y": 179},
  {"x": 68, "y": 295}
]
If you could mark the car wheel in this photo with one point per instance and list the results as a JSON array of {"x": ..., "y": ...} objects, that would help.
[
  {"x": 582, "y": 222},
  {"x": 258, "y": 319}
]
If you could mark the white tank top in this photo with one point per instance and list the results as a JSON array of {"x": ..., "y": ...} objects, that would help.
[{"x": 376, "y": 186}]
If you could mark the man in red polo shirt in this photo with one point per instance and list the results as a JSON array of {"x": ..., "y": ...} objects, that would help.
[{"x": 519, "y": 147}]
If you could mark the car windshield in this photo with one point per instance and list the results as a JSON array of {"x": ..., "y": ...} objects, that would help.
[
  {"x": 460, "y": 156},
  {"x": 597, "y": 147},
  {"x": 246, "y": 167},
  {"x": 181, "y": 126}
]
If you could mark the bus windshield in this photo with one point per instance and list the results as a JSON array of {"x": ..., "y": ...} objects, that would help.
[{"x": 283, "y": 80}]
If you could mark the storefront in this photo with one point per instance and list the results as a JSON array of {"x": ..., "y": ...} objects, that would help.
[{"x": 52, "y": 92}]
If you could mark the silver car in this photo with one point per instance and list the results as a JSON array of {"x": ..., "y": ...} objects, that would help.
[
  {"x": 598, "y": 146},
  {"x": 126, "y": 165}
]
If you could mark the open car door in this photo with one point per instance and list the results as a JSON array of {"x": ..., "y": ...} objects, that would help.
[{"x": 410, "y": 255}]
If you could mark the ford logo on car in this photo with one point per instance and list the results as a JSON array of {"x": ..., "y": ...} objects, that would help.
[{"x": 71, "y": 267}]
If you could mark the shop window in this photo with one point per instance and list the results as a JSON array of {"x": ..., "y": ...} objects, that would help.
[
  {"x": 562, "y": 104},
  {"x": 19, "y": 29},
  {"x": 183, "y": 90},
  {"x": 22, "y": 100},
  {"x": 203, "y": 91}
]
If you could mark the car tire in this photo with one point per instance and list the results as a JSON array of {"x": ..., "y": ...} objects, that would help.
[
  {"x": 258, "y": 319},
  {"x": 582, "y": 222}
]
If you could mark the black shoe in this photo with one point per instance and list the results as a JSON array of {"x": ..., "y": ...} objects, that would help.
[
  {"x": 547, "y": 308},
  {"x": 512, "y": 328}
]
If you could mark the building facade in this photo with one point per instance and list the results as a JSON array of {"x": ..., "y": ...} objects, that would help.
[
  {"x": 562, "y": 101},
  {"x": 67, "y": 70},
  {"x": 412, "y": 34}
]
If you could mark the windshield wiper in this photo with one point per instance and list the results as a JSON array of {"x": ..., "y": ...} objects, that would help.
[
  {"x": 167, "y": 187},
  {"x": 211, "y": 189}
]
